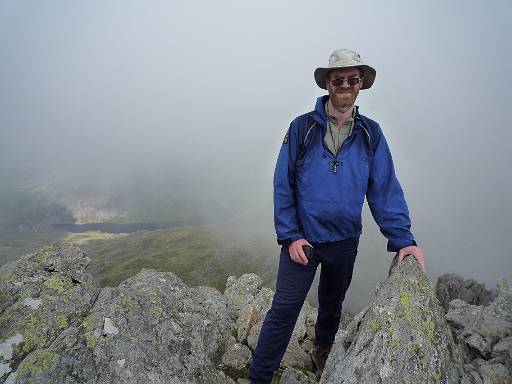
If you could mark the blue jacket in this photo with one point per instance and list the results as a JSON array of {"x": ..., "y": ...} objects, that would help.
[{"x": 312, "y": 201}]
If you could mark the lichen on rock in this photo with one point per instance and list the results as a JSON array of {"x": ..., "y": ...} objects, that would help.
[
  {"x": 48, "y": 291},
  {"x": 56, "y": 326},
  {"x": 182, "y": 343},
  {"x": 402, "y": 337}
]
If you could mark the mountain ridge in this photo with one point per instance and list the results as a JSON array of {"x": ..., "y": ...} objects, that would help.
[{"x": 58, "y": 326}]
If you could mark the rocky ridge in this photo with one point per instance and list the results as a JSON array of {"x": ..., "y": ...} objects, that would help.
[
  {"x": 401, "y": 337},
  {"x": 483, "y": 332},
  {"x": 58, "y": 326}
]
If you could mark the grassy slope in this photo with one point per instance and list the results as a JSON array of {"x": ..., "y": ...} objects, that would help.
[
  {"x": 208, "y": 254},
  {"x": 200, "y": 255},
  {"x": 17, "y": 242}
]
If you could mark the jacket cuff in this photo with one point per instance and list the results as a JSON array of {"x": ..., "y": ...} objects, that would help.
[
  {"x": 289, "y": 240},
  {"x": 395, "y": 246}
]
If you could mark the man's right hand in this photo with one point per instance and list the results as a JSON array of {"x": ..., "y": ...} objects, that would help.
[{"x": 297, "y": 253}]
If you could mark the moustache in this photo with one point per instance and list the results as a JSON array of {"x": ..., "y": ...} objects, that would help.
[{"x": 344, "y": 91}]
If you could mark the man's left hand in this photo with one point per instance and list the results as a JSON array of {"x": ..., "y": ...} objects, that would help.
[{"x": 414, "y": 251}]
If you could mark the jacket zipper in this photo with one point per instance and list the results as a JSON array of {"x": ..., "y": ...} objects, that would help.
[{"x": 334, "y": 163}]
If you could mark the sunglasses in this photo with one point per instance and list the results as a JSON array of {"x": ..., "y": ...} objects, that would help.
[{"x": 351, "y": 81}]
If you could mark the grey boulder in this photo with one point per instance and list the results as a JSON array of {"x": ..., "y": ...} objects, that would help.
[
  {"x": 402, "y": 337},
  {"x": 478, "y": 329},
  {"x": 235, "y": 361},
  {"x": 450, "y": 286},
  {"x": 294, "y": 376},
  {"x": 41, "y": 295},
  {"x": 151, "y": 329}
]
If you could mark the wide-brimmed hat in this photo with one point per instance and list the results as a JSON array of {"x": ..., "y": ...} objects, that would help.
[{"x": 345, "y": 58}]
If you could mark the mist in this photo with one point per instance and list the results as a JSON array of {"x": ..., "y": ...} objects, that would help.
[{"x": 190, "y": 101}]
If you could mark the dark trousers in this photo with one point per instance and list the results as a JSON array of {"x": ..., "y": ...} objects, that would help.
[{"x": 293, "y": 283}]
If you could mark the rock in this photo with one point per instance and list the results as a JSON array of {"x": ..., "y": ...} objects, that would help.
[
  {"x": 246, "y": 319},
  {"x": 294, "y": 376},
  {"x": 461, "y": 314},
  {"x": 42, "y": 294},
  {"x": 4, "y": 369},
  {"x": 299, "y": 331},
  {"x": 242, "y": 291},
  {"x": 451, "y": 286},
  {"x": 503, "y": 348},
  {"x": 307, "y": 345},
  {"x": 7, "y": 347},
  {"x": 310, "y": 314},
  {"x": 296, "y": 357},
  {"x": 346, "y": 319},
  {"x": 310, "y": 332},
  {"x": 484, "y": 334},
  {"x": 248, "y": 304},
  {"x": 254, "y": 333},
  {"x": 478, "y": 328},
  {"x": 494, "y": 374},
  {"x": 263, "y": 302},
  {"x": 235, "y": 362},
  {"x": 109, "y": 328},
  {"x": 33, "y": 303},
  {"x": 472, "y": 375},
  {"x": 152, "y": 328},
  {"x": 477, "y": 342},
  {"x": 402, "y": 337},
  {"x": 57, "y": 326}
]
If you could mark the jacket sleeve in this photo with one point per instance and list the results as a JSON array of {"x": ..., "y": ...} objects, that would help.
[
  {"x": 285, "y": 208},
  {"x": 386, "y": 198}
]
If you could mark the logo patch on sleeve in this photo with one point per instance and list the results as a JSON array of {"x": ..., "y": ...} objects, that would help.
[{"x": 285, "y": 140}]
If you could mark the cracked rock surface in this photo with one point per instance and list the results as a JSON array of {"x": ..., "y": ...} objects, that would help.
[
  {"x": 150, "y": 329},
  {"x": 484, "y": 335},
  {"x": 57, "y": 326},
  {"x": 450, "y": 287},
  {"x": 402, "y": 337},
  {"x": 41, "y": 295}
]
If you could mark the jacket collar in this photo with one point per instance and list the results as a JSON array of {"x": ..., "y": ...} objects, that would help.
[{"x": 320, "y": 116}]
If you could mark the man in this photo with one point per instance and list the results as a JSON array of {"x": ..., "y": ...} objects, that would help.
[{"x": 331, "y": 158}]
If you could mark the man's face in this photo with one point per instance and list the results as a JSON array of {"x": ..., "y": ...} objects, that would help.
[{"x": 344, "y": 95}]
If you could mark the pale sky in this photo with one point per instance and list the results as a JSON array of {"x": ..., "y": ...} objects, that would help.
[{"x": 97, "y": 90}]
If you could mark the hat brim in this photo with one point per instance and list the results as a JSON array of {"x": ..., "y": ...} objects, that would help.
[{"x": 369, "y": 75}]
